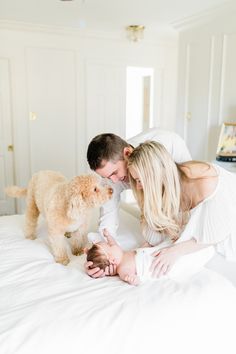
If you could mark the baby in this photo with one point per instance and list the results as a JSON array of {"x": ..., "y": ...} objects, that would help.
[{"x": 133, "y": 266}]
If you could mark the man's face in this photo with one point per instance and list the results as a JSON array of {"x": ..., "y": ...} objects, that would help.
[{"x": 115, "y": 171}]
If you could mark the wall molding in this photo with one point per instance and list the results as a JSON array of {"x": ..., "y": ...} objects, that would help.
[
  {"x": 204, "y": 16},
  {"x": 156, "y": 39},
  {"x": 186, "y": 91},
  {"x": 222, "y": 85}
]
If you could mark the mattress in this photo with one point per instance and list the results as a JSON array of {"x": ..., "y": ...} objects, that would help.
[{"x": 46, "y": 307}]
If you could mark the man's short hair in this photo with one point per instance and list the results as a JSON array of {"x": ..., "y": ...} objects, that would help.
[{"x": 108, "y": 147}]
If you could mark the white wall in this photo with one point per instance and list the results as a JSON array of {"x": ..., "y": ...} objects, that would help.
[
  {"x": 206, "y": 79},
  {"x": 75, "y": 84}
]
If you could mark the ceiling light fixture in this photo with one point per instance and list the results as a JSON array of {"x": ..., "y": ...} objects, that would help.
[{"x": 135, "y": 32}]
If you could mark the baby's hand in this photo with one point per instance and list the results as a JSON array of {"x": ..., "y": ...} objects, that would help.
[{"x": 132, "y": 279}]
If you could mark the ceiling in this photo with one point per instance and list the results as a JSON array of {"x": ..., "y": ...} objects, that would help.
[{"x": 105, "y": 15}]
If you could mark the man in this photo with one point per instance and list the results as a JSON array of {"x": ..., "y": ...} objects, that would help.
[{"x": 107, "y": 155}]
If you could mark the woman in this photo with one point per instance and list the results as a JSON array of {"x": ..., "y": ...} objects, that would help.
[{"x": 193, "y": 203}]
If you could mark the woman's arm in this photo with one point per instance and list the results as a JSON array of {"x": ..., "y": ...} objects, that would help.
[
  {"x": 166, "y": 257},
  {"x": 153, "y": 238}
]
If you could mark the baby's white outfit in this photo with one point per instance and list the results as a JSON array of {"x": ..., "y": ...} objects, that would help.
[{"x": 185, "y": 266}]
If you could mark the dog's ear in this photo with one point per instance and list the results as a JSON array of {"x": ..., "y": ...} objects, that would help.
[
  {"x": 85, "y": 250},
  {"x": 74, "y": 206}
]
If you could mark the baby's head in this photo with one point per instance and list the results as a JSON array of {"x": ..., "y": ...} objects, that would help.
[
  {"x": 97, "y": 255},
  {"x": 102, "y": 254}
]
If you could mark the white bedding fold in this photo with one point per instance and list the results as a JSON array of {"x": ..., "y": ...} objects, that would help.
[{"x": 47, "y": 308}]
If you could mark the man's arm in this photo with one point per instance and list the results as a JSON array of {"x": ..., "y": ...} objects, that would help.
[
  {"x": 174, "y": 144},
  {"x": 97, "y": 272},
  {"x": 109, "y": 219},
  {"x": 110, "y": 240},
  {"x": 180, "y": 152}
]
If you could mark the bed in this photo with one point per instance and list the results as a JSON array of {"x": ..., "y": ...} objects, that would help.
[{"x": 48, "y": 308}]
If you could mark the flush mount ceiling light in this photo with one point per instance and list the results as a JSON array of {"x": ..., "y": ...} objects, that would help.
[{"x": 135, "y": 32}]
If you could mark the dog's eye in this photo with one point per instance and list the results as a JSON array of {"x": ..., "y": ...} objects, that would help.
[{"x": 95, "y": 189}]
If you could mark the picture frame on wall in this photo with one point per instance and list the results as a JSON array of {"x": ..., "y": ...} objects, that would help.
[{"x": 226, "y": 149}]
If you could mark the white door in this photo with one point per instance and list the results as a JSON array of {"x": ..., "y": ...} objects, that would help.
[
  {"x": 52, "y": 110},
  {"x": 105, "y": 98},
  {"x": 7, "y": 205}
]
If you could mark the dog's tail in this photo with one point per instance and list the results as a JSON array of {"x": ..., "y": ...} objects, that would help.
[{"x": 16, "y": 192}]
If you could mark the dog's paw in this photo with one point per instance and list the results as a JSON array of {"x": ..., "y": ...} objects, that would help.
[
  {"x": 30, "y": 237},
  {"x": 64, "y": 260},
  {"x": 77, "y": 251},
  {"x": 68, "y": 234}
]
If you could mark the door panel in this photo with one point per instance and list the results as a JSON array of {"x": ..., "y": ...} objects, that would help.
[
  {"x": 52, "y": 110},
  {"x": 105, "y": 99},
  {"x": 7, "y": 205}
]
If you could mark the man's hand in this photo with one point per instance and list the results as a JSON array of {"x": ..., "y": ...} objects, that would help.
[
  {"x": 99, "y": 273},
  {"x": 111, "y": 270},
  {"x": 110, "y": 240},
  {"x": 94, "y": 272}
]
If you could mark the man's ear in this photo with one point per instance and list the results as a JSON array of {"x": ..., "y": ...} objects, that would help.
[{"x": 127, "y": 152}]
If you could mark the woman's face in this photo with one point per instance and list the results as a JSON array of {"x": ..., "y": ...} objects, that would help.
[{"x": 135, "y": 176}]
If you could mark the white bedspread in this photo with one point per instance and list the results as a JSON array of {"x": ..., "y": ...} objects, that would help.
[{"x": 47, "y": 308}]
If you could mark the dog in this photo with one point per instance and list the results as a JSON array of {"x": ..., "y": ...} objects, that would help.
[{"x": 65, "y": 206}]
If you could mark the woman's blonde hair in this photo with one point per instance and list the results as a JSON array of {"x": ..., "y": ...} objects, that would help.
[{"x": 159, "y": 198}]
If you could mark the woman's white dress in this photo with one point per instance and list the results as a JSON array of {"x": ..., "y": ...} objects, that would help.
[{"x": 213, "y": 221}]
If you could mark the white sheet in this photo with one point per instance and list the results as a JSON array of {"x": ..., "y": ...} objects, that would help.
[{"x": 47, "y": 308}]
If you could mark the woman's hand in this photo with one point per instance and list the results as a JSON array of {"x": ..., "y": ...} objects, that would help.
[{"x": 164, "y": 260}]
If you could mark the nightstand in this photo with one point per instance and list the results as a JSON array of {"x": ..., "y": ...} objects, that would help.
[{"x": 230, "y": 166}]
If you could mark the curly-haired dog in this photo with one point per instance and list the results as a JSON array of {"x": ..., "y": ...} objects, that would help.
[{"x": 64, "y": 204}]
